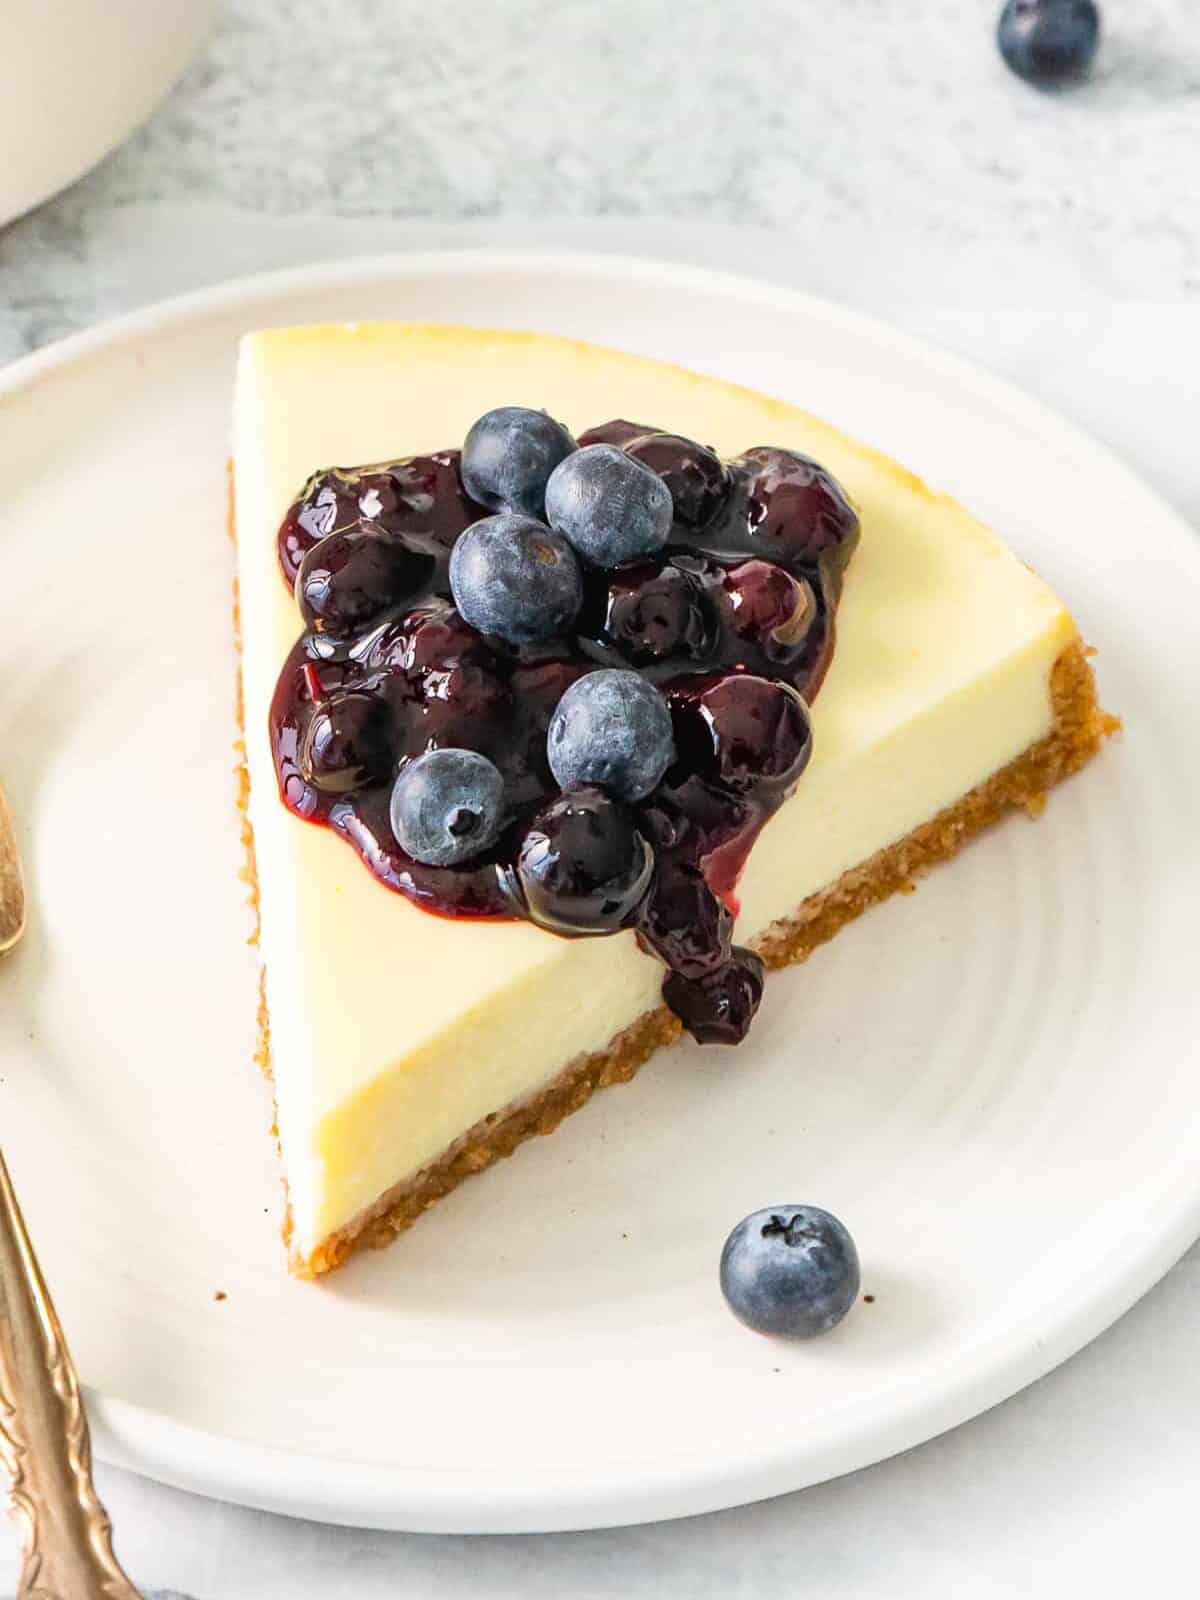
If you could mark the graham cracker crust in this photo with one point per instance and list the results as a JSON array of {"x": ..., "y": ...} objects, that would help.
[{"x": 1080, "y": 727}]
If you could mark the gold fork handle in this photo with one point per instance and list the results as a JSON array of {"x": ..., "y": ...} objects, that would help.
[
  {"x": 44, "y": 1439},
  {"x": 12, "y": 885}
]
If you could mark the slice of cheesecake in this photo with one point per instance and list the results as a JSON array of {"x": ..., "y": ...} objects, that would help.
[{"x": 410, "y": 1050}]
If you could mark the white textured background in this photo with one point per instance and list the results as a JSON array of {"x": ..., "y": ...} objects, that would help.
[{"x": 872, "y": 150}]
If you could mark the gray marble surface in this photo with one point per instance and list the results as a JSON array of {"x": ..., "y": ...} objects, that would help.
[
  {"x": 847, "y": 125},
  {"x": 870, "y": 150}
]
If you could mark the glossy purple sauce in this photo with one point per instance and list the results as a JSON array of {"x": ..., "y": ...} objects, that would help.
[{"x": 743, "y": 598}]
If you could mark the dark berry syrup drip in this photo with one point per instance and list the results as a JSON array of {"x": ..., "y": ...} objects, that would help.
[{"x": 737, "y": 611}]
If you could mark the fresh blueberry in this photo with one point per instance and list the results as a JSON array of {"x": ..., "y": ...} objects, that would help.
[
  {"x": 508, "y": 456},
  {"x": 1049, "y": 41},
  {"x": 516, "y": 578},
  {"x": 447, "y": 806},
  {"x": 612, "y": 508},
  {"x": 345, "y": 744},
  {"x": 791, "y": 1271},
  {"x": 354, "y": 575},
  {"x": 613, "y": 729},
  {"x": 718, "y": 1007},
  {"x": 583, "y": 866}
]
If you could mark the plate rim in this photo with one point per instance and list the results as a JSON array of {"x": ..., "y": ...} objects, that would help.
[
  {"x": 340, "y": 1490},
  {"x": 195, "y": 304}
]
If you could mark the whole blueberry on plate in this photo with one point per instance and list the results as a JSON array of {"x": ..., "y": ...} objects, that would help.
[
  {"x": 611, "y": 728},
  {"x": 514, "y": 577},
  {"x": 791, "y": 1271},
  {"x": 612, "y": 508},
  {"x": 447, "y": 806},
  {"x": 1049, "y": 41},
  {"x": 508, "y": 457}
]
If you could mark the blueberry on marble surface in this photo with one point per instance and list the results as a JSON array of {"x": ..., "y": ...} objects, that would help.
[
  {"x": 447, "y": 806},
  {"x": 1048, "y": 42},
  {"x": 612, "y": 508},
  {"x": 514, "y": 577},
  {"x": 791, "y": 1271},
  {"x": 611, "y": 728},
  {"x": 508, "y": 457}
]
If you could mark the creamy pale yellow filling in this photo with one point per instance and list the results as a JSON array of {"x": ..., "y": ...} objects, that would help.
[{"x": 394, "y": 1031}]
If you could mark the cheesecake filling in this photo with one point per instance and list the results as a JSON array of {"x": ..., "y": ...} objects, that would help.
[
  {"x": 506, "y": 1048},
  {"x": 394, "y": 1031}
]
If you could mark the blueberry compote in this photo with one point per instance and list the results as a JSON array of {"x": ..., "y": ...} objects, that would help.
[{"x": 733, "y": 621}]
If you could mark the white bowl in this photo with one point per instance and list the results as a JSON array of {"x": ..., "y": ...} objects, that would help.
[{"x": 76, "y": 77}]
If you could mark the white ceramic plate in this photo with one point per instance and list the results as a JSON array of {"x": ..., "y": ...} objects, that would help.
[{"x": 994, "y": 1083}]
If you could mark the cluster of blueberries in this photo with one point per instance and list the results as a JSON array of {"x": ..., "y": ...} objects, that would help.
[
  {"x": 517, "y": 577},
  {"x": 565, "y": 680}
]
